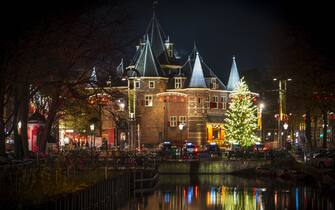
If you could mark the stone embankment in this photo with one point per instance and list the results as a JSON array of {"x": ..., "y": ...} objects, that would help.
[{"x": 209, "y": 167}]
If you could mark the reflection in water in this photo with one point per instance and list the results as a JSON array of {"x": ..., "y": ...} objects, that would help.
[{"x": 176, "y": 192}]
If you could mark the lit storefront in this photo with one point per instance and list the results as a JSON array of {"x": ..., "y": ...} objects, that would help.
[{"x": 215, "y": 131}]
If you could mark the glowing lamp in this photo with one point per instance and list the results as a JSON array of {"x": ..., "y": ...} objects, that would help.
[{"x": 92, "y": 127}]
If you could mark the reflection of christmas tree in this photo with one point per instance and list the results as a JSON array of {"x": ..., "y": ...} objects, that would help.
[{"x": 241, "y": 117}]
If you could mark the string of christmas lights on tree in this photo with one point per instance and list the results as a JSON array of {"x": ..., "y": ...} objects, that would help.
[{"x": 241, "y": 117}]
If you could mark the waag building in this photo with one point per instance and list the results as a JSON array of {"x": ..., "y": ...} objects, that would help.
[{"x": 168, "y": 98}]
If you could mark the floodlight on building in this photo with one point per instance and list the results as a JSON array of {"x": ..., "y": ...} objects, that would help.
[
  {"x": 181, "y": 126},
  {"x": 92, "y": 127}
]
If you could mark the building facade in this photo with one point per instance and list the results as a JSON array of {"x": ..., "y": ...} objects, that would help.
[{"x": 169, "y": 98}]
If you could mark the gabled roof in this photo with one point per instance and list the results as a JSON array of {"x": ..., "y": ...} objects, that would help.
[
  {"x": 146, "y": 64},
  {"x": 197, "y": 79},
  {"x": 157, "y": 38},
  {"x": 234, "y": 77}
]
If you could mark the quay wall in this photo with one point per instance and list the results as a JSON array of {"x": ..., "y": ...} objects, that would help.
[{"x": 209, "y": 167}]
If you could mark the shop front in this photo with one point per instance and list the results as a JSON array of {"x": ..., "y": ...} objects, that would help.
[{"x": 215, "y": 131}]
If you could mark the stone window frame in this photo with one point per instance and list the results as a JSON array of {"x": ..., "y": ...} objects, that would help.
[
  {"x": 180, "y": 83},
  {"x": 182, "y": 119},
  {"x": 173, "y": 121},
  {"x": 224, "y": 101},
  {"x": 153, "y": 86},
  {"x": 148, "y": 99},
  {"x": 216, "y": 101}
]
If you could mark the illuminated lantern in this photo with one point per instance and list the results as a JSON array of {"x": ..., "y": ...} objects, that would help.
[{"x": 36, "y": 126}]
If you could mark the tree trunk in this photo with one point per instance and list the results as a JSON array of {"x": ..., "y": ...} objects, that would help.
[
  {"x": 325, "y": 128},
  {"x": 49, "y": 122},
  {"x": 308, "y": 129},
  {"x": 17, "y": 137}
]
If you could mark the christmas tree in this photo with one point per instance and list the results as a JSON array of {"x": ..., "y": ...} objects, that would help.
[{"x": 241, "y": 117}]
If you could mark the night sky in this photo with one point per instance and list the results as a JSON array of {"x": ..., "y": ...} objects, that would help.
[
  {"x": 250, "y": 30},
  {"x": 221, "y": 29}
]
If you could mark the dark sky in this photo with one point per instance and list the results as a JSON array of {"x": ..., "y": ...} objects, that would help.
[
  {"x": 221, "y": 29},
  {"x": 246, "y": 29}
]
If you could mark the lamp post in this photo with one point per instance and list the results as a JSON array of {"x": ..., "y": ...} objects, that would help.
[
  {"x": 261, "y": 107},
  {"x": 181, "y": 126},
  {"x": 118, "y": 127},
  {"x": 285, "y": 126},
  {"x": 131, "y": 101},
  {"x": 282, "y": 83},
  {"x": 92, "y": 134}
]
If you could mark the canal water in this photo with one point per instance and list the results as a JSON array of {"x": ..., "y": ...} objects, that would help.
[{"x": 226, "y": 192}]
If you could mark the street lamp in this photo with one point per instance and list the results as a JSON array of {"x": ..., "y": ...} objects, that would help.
[
  {"x": 181, "y": 126},
  {"x": 131, "y": 101},
  {"x": 285, "y": 126},
  {"x": 261, "y": 107},
  {"x": 282, "y": 103},
  {"x": 92, "y": 133}
]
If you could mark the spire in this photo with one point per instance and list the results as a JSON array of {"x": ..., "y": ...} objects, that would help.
[
  {"x": 93, "y": 77},
  {"x": 157, "y": 38},
  {"x": 195, "y": 47},
  {"x": 234, "y": 77},
  {"x": 194, "y": 51},
  {"x": 197, "y": 79},
  {"x": 147, "y": 64}
]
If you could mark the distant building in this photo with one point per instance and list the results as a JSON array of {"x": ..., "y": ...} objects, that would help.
[{"x": 163, "y": 93}]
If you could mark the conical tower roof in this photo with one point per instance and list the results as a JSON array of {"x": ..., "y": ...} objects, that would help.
[
  {"x": 234, "y": 77},
  {"x": 146, "y": 64},
  {"x": 93, "y": 77},
  {"x": 157, "y": 38},
  {"x": 187, "y": 69},
  {"x": 197, "y": 78}
]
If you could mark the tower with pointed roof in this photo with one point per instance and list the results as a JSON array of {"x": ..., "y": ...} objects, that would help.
[
  {"x": 147, "y": 64},
  {"x": 168, "y": 94},
  {"x": 234, "y": 77}
]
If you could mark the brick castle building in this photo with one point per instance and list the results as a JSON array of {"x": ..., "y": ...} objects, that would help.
[{"x": 168, "y": 98}]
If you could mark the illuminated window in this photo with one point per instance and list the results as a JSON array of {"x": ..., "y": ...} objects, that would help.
[
  {"x": 148, "y": 100},
  {"x": 173, "y": 121},
  {"x": 182, "y": 119},
  {"x": 177, "y": 83},
  {"x": 215, "y": 102},
  {"x": 151, "y": 84},
  {"x": 224, "y": 102}
]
